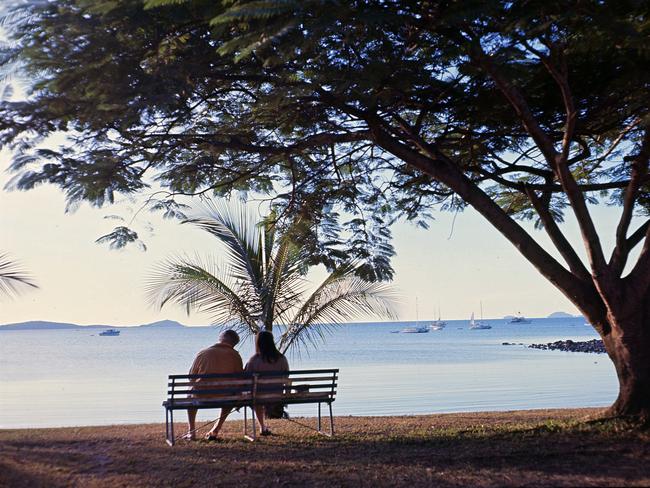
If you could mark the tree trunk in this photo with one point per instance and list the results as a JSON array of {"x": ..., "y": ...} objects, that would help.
[{"x": 628, "y": 345}]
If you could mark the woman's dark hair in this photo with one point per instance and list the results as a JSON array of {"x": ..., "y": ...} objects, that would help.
[{"x": 265, "y": 347}]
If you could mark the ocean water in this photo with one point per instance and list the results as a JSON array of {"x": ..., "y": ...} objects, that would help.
[{"x": 75, "y": 377}]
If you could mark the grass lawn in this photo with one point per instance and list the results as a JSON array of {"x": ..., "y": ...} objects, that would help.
[{"x": 532, "y": 447}]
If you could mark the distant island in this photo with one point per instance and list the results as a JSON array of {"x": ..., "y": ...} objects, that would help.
[
  {"x": 561, "y": 315},
  {"x": 44, "y": 325}
]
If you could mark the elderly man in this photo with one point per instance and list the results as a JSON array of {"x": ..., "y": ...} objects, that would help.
[{"x": 218, "y": 359}]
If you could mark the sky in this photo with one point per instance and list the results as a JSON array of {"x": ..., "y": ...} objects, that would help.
[{"x": 453, "y": 266}]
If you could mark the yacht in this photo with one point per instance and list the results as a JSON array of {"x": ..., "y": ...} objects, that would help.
[
  {"x": 519, "y": 319},
  {"x": 417, "y": 329},
  {"x": 110, "y": 332},
  {"x": 478, "y": 324},
  {"x": 438, "y": 324}
]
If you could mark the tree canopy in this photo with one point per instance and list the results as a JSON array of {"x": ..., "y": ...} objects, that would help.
[{"x": 355, "y": 113}]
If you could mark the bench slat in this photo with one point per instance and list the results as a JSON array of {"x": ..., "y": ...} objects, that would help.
[
  {"x": 278, "y": 388},
  {"x": 266, "y": 373},
  {"x": 227, "y": 398}
]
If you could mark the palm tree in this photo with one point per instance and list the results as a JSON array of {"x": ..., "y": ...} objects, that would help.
[
  {"x": 12, "y": 277},
  {"x": 262, "y": 283}
]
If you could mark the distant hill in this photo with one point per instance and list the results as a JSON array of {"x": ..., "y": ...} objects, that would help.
[
  {"x": 163, "y": 324},
  {"x": 44, "y": 325},
  {"x": 560, "y": 315}
]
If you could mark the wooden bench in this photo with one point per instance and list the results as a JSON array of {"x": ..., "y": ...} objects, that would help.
[{"x": 248, "y": 390}]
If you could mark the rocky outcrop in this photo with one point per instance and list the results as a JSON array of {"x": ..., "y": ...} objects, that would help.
[{"x": 594, "y": 346}]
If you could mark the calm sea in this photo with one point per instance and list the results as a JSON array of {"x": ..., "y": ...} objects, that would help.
[{"x": 75, "y": 377}]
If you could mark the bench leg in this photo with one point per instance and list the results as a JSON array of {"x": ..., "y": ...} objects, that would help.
[
  {"x": 167, "y": 426},
  {"x": 319, "y": 421},
  {"x": 320, "y": 428},
  {"x": 170, "y": 439},
  {"x": 252, "y": 437}
]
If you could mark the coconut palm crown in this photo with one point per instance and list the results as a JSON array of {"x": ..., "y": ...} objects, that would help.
[{"x": 261, "y": 284}]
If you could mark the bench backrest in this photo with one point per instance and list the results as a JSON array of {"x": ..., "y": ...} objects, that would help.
[{"x": 299, "y": 386}]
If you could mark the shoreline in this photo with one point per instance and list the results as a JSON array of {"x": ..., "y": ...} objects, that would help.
[{"x": 545, "y": 447}]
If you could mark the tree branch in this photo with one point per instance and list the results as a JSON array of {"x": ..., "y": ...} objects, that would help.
[
  {"x": 234, "y": 142},
  {"x": 556, "y": 161},
  {"x": 543, "y": 141},
  {"x": 638, "y": 173},
  {"x": 558, "y": 238},
  {"x": 639, "y": 277},
  {"x": 438, "y": 166},
  {"x": 638, "y": 235},
  {"x": 560, "y": 77}
]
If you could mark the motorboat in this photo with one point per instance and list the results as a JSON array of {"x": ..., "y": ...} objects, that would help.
[
  {"x": 519, "y": 319},
  {"x": 110, "y": 332}
]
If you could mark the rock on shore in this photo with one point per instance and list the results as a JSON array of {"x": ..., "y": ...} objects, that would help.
[{"x": 594, "y": 345}]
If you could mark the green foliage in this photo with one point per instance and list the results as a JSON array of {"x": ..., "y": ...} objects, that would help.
[
  {"x": 310, "y": 102},
  {"x": 262, "y": 282},
  {"x": 120, "y": 237}
]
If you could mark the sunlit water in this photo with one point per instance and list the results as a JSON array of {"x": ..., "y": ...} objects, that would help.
[{"x": 75, "y": 377}]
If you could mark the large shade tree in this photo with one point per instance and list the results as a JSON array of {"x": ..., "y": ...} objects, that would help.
[
  {"x": 524, "y": 110},
  {"x": 262, "y": 283}
]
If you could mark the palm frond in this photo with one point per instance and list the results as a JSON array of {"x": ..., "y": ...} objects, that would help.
[
  {"x": 204, "y": 287},
  {"x": 13, "y": 277},
  {"x": 284, "y": 280},
  {"x": 340, "y": 298},
  {"x": 237, "y": 229}
]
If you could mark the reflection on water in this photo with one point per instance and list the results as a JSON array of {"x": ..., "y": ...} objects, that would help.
[{"x": 75, "y": 377}]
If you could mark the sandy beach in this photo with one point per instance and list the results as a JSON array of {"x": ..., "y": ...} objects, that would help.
[{"x": 530, "y": 447}]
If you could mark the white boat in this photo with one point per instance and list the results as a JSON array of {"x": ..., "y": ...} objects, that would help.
[
  {"x": 110, "y": 332},
  {"x": 417, "y": 329},
  {"x": 414, "y": 330},
  {"x": 478, "y": 324},
  {"x": 438, "y": 324},
  {"x": 519, "y": 319}
]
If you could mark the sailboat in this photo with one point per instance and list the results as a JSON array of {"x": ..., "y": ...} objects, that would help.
[
  {"x": 438, "y": 324},
  {"x": 417, "y": 329},
  {"x": 478, "y": 325}
]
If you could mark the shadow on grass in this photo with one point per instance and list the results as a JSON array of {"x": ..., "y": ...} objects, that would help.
[{"x": 554, "y": 453}]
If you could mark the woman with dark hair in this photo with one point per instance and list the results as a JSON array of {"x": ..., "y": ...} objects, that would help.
[{"x": 266, "y": 358}]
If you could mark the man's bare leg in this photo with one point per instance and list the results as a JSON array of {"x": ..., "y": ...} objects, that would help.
[
  {"x": 191, "y": 422},
  {"x": 214, "y": 431}
]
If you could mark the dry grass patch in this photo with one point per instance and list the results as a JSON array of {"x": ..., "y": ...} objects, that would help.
[{"x": 538, "y": 447}]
